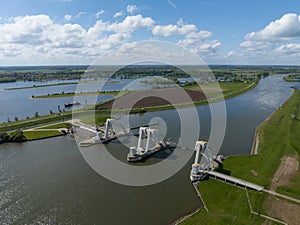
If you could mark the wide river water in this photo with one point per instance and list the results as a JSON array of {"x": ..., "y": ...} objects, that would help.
[
  {"x": 19, "y": 103},
  {"x": 49, "y": 182}
]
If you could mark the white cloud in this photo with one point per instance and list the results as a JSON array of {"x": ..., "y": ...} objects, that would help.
[
  {"x": 97, "y": 15},
  {"x": 283, "y": 29},
  {"x": 79, "y": 14},
  {"x": 172, "y": 29},
  {"x": 272, "y": 44},
  {"x": 67, "y": 17},
  {"x": 131, "y": 8},
  {"x": 231, "y": 53},
  {"x": 118, "y": 14},
  {"x": 289, "y": 49},
  {"x": 39, "y": 39},
  {"x": 193, "y": 38},
  {"x": 26, "y": 29},
  {"x": 131, "y": 23},
  {"x": 67, "y": 36},
  {"x": 256, "y": 45}
]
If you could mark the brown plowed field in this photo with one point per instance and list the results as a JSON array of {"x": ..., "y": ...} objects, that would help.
[{"x": 155, "y": 97}]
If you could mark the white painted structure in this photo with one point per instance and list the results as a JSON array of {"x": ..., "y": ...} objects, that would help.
[
  {"x": 148, "y": 134},
  {"x": 108, "y": 125},
  {"x": 207, "y": 161}
]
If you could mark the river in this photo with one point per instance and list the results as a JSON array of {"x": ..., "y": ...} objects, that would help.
[
  {"x": 19, "y": 103},
  {"x": 48, "y": 181}
]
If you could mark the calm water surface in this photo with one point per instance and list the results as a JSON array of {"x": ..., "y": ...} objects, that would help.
[
  {"x": 49, "y": 182},
  {"x": 19, "y": 103}
]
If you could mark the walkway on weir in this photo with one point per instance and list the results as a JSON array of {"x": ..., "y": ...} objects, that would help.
[
  {"x": 233, "y": 180},
  {"x": 84, "y": 126}
]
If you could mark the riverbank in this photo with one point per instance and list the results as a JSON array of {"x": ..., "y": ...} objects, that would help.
[
  {"x": 229, "y": 90},
  {"x": 39, "y": 86},
  {"x": 158, "y": 99},
  {"x": 73, "y": 94},
  {"x": 278, "y": 143}
]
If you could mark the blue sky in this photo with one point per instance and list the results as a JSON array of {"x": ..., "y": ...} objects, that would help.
[{"x": 43, "y": 32}]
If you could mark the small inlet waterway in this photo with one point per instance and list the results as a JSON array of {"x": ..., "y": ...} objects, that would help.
[{"x": 48, "y": 181}]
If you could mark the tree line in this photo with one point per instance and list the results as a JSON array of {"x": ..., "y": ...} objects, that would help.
[{"x": 15, "y": 136}]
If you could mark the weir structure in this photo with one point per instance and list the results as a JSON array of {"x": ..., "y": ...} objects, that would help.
[
  {"x": 202, "y": 168},
  {"x": 110, "y": 131},
  {"x": 147, "y": 137},
  {"x": 103, "y": 135},
  {"x": 202, "y": 150}
]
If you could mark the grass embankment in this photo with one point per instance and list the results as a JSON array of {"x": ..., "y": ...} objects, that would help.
[
  {"x": 41, "y": 134},
  {"x": 279, "y": 136},
  {"x": 93, "y": 117},
  {"x": 21, "y": 124},
  {"x": 53, "y": 130},
  {"x": 292, "y": 78},
  {"x": 38, "y": 86},
  {"x": 73, "y": 94},
  {"x": 226, "y": 205},
  {"x": 56, "y": 126},
  {"x": 227, "y": 88},
  {"x": 88, "y": 116}
]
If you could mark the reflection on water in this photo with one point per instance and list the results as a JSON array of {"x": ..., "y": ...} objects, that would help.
[{"x": 48, "y": 182}]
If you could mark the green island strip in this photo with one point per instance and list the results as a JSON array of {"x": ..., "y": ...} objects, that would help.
[
  {"x": 227, "y": 204},
  {"x": 39, "y": 86},
  {"x": 73, "y": 94},
  {"x": 56, "y": 84},
  {"x": 292, "y": 78},
  {"x": 228, "y": 88},
  {"x": 7, "y": 80}
]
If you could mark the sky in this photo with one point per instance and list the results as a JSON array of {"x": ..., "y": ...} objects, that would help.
[{"x": 68, "y": 32}]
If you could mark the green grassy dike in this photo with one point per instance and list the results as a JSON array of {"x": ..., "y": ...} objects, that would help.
[
  {"x": 42, "y": 85},
  {"x": 278, "y": 137},
  {"x": 37, "y": 134}
]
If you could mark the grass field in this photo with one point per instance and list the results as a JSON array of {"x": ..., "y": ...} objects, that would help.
[
  {"x": 56, "y": 126},
  {"x": 42, "y": 85},
  {"x": 73, "y": 94},
  {"x": 35, "y": 135},
  {"x": 226, "y": 205},
  {"x": 279, "y": 136},
  {"x": 93, "y": 117},
  {"x": 21, "y": 124}
]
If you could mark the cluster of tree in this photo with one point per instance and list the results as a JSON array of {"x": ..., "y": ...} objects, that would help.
[
  {"x": 41, "y": 73},
  {"x": 47, "y": 73},
  {"x": 263, "y": 75},
  {"x": 15, "y": 136}
]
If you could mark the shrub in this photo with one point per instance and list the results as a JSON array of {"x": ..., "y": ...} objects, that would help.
[{"x": 17, "y": 136}]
